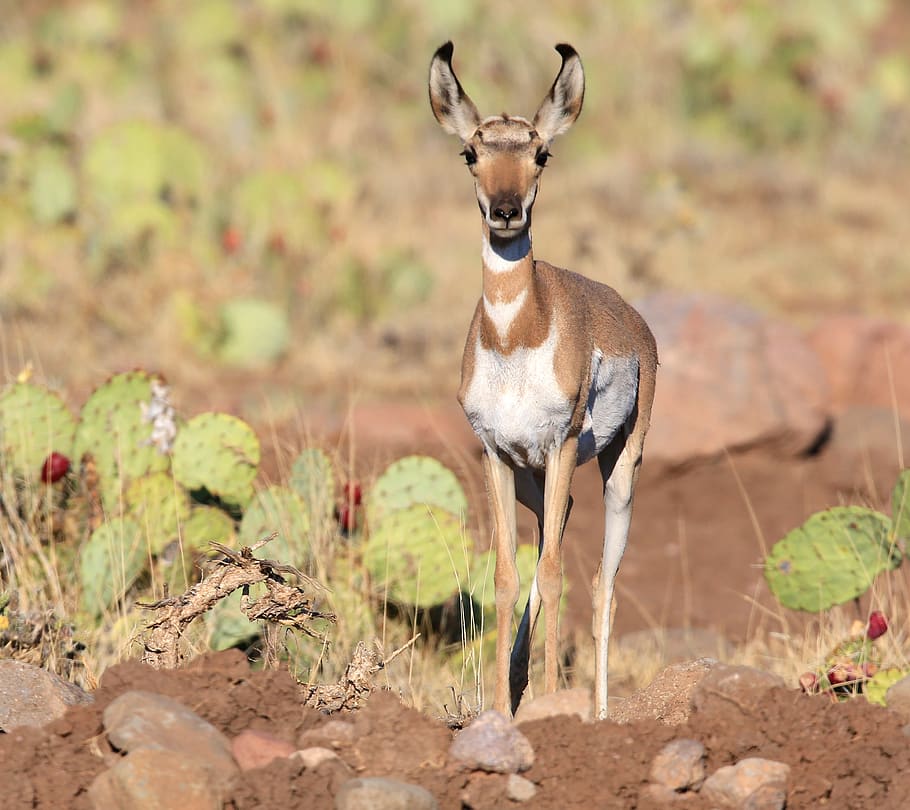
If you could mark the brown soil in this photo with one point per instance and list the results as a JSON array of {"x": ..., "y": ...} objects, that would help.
[{"x": 849, "y": 755}]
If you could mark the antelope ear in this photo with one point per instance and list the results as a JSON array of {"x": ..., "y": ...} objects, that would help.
[
  {"x": 562, "y": 105},
  {"x": 451, "y": 105}
]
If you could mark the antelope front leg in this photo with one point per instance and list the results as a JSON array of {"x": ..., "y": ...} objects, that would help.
[
  {"x": 500, "y": 480},
  {"x": 561, "y": 463}
]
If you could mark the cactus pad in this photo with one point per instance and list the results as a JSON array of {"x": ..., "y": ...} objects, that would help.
[
  {"x": 876, "y": 688},
  {"x": 228, "y": 624},
  {"x": 253, "y": 333},
  {"x": 113, "y": 430},
  {"x": 220, "y": 453},
  {"x": 158, "y": 505},
  {"x": 832, "y": 558},
  {"x": 900, "y": 509},
  {"x": 313, "y": 479},
  {"x": 110, "y": 562},
  {"x": 415, "y": 480},
  {"x": 278, "y": 509},
  {"x": 204, "y": 525},
  {"x": 33, "y": 423},
  {"x": 418, "y": 555}
]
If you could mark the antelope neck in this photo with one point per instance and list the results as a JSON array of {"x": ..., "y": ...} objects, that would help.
[{"x": 508, "y": 289}]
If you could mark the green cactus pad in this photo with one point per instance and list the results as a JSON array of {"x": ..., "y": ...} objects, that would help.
[
  {"x": 220, "y": 453},
  {"x": 158, "y": 505},
  {"x": 228, "y": 624},
  {"x": 113, "y": 430},
  {"x": 900, "y": 509},
  {"x": 832, "y": 558},
  {"x": 111, "y": 561},
  {"x": 876, "y": 688},
  {"x": 253, "y": 333},
  {"x": 313, "y": 479},
  {"x": 415, "y": 480},
  {"x": 206, "y": 524},
  {"x": 278, "y": 509},
  {"x": 483, "y": 589},
  {"x": 418, "y": 555},
  {"x": 34, "y": 422}
]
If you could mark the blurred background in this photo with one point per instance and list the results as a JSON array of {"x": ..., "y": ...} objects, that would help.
[{"x": 252, "y": 196}]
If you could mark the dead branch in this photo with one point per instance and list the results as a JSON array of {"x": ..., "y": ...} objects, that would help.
[
  {"x": 282, "y": 603},
  {"x": 357, "y": 682}
]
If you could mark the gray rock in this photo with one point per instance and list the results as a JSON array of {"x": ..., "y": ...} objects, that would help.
[
  {"x": 147, "y": 778},
  {"x": 897, "y": 698},
  {"x": 146, "y": 720},
  {"x": 31, "y": 696},
  {"x": 377, "y": 793},
  {"x": 313, "y": 757},
  {"x": 519, "y": 789},
  {"x": 730, "y": 377},
  {"x": 668, "y": 697},
  {"x": 680, "y": 765},
  {"x": 255, "y": 749},
  {"x": 578, "y": 702},
  {"x": 750, "y": 784},
  {"x": 491, "y": 743}
]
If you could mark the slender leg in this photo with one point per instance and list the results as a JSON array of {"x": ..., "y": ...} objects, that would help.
[
  {"x": 560, "y": 466},
  {"x": 530, "y": 492},
  {"x": 619, "y": 465},
  {"x": 500, "y": 482}
]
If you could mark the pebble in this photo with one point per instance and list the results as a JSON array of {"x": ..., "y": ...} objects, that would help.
[
  {"x": 750, "y": 784},
  {"x": 680, "y": 765},
  {"x": 32, "y": 696},
  {"x": 519, "y": 789},
  {"x": 255, "y": 749},
  {"x": 315, "y": 756},
  {"x": 491, "y": 743},
  {"x": 378, "y": 793}
]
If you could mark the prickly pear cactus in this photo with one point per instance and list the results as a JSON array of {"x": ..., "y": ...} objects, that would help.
[
  {"x": 876, "y": 688},
  {"x": 483, "y": 589},
  {"x": 253, "y": 333},
  {"x": 418, "y": 556},
  {"x": 313, "y": 479},
  {"x": 206, "y": 524},
  {"x": 33, "y": 423},
  {"x": 900, "y": 509},
  {"x": 158, "y": 505},
  {"x": 228, "y": 625},
  {"x": 832, "y": 558},
  {"x": 415, "y": 480},
  {"x": 113, "y": 429},
  {"x": 110, "y": 562},
  {"x": 278, "y": 509},
  {"x": 220, "y": 453}
]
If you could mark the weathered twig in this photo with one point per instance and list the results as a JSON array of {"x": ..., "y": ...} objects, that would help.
[
  {"x": 356, "y": 685},
  {"x": 282, "y": 603}
]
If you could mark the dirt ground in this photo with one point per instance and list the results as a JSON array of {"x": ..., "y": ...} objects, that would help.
[{"x": 843, "y": 755}]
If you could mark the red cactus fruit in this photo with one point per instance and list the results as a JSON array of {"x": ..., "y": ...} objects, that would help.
[
  {"x": 55, "y": 466},
  {"x": 877, "y": 626},
  {"x": 231, "y": 240},
  {"x": 353, "y": 494},
  {"x": 347, "y": 518}
]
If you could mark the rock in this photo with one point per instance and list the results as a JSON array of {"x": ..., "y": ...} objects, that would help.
[
  {"x": 738, "y": 686},
  {"x": 146, "y": 778},
  {"x": 578, "y": 702},
  {"x": 673, "y": 645},
  {"x": 730, "y": 378},
  {"x": 491, "y": 743},
  {"x": 751, "y": 784},
  {"x": 897, "y": 698},
  {"x": 255, "y": 749},
  {"x": 146, "y": 720},
  {"x": 519, "y": 789},
  {"x": 865, "y": 360},
  {"x": 668, "y": 697},
  {"x": 331, "y": 734},
  {"x": 377, "y": 793},
  {"x": 313, "y": 757},
  {"x": 32, "y": 696},
  {"x": 679, "y": 766}
]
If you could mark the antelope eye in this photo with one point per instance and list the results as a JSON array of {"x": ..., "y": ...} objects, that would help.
[
  {"x": 469, "y": 155},
  {"x": 541, "y": 159}
]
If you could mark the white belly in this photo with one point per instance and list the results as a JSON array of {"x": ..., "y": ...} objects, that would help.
[{"x": 516, "y": 407}]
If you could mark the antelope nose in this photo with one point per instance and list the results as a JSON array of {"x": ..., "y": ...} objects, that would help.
[{"x": 506, "y": 211}]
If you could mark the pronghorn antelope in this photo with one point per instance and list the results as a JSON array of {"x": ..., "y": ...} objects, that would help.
[{"x": 557, "y": 370}]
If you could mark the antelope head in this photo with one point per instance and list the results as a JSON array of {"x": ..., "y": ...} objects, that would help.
[{"x": 506, "y": 154}]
